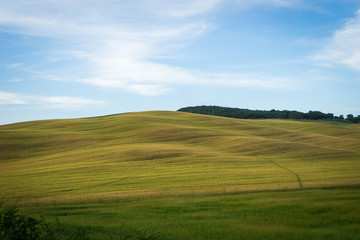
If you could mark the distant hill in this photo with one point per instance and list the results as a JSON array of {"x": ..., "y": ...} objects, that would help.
[
  {"x": 263, "y": 114},
  {"x": 171, "y": 153}
]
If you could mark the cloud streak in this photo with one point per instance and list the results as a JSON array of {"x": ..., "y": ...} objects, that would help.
[
  {"x": 7, "y": 98},
  {"x": 64, "y": 102}
]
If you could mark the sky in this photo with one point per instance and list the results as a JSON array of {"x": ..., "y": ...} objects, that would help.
[{"x": 83, "y": 58}]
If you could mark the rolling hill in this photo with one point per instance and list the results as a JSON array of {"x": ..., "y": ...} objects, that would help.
[{"x": 163, "y": 153}]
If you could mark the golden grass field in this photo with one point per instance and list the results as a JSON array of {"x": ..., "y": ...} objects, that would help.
[{"x": 163, "y": 153}]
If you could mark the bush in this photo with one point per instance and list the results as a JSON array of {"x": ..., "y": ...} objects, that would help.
[{"x": 16, "y": 226}]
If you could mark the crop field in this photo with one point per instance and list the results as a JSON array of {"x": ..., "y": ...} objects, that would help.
[{"x": 180, "y": 173}]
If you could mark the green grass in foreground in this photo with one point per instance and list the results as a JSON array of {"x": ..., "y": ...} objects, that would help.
[{"x": 305, "y": 214}]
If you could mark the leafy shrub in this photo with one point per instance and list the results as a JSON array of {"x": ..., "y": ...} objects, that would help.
[{"x": 16, "y": 226}]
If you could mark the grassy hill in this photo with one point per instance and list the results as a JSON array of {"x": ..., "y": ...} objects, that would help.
[{"x": 171, "y": 154}]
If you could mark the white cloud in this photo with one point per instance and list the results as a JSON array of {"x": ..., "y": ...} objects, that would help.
[
  {"x": 138, "y": 75},
  {"x": 115, "y": 48},
  {"x": 66, "y": 102},
  {"x": 344, "y": 46},
  {"x": 7, "y": 98}
]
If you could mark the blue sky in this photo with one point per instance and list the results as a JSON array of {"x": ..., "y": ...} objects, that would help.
[{"x": 69, "y": 59}]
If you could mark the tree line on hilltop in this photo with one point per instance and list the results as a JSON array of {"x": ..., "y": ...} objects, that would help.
[{"x": 264, "y": 114}]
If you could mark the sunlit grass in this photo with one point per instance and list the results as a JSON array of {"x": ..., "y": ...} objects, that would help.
[{"x": 171, "y": 153}]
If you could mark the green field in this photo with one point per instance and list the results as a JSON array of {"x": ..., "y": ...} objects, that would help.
[
  {"x": 187, "y": 176},
  {"x": 308, "y": 214}
]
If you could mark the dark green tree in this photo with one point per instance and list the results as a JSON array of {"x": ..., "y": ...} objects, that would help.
[{"x": 351, "y": 118}]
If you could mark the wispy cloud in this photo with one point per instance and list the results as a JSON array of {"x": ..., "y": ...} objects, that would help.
[
  {"x": 116, "y": 49},
  {"x": 279, "y": 3},
  {"x": 344, "y": 46},
  {"x": 64, "y": 102},
  {"x": 185, "y": 8},
  {"x": 7, "y": 98},
  {"x": 152, "y": 79}
]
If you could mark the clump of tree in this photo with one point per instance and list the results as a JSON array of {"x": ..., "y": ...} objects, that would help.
[
  {"x": 264, "y": 114},
  {"x": 352, "y": 118}
]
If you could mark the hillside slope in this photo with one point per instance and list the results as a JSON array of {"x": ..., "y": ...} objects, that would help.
[{"x": 170, "y": 153}]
